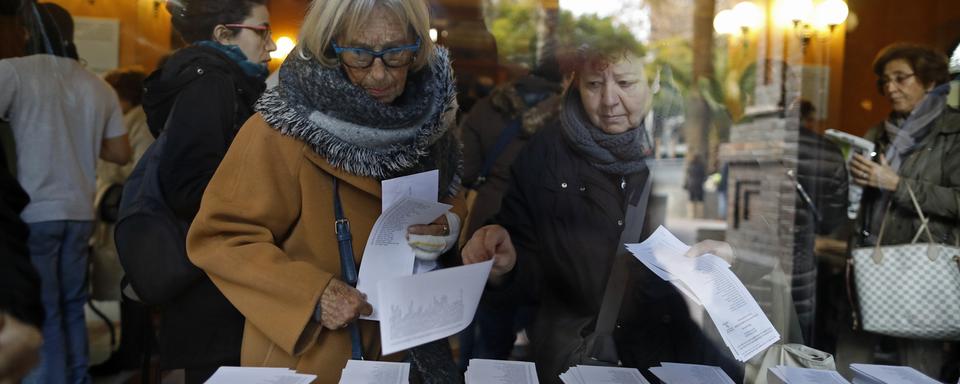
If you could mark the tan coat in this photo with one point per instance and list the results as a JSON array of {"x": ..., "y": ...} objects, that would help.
[{"x": 265, "y": 236}]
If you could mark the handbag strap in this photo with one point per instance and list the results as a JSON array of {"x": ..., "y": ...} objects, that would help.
[
  {"x": 617, "y": 282},
  {"x": 932, "y": 250},
  {"x": 348, "y": 267},
  {"x": 956, "y": 227},
  {"x": 505, "y": 137}
]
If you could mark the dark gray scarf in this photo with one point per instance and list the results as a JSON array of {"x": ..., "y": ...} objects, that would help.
[
  {"x": 618, "y": 154},
  {"x": 356, "y": 133}
]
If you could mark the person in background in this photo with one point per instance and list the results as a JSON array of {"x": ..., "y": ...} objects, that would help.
[
  {"x": 199, "y": 99},
  {"x": 106, "y": 270},
  {"x": 63, "y": 117},
  {"x": 366, "y": 97},
  {"x": 695, "y": 177},
  {"x": 493, "y": 133},
  {"x": 917, "y": 147},
  {"x": 561, "y": 220},
  {"x": 21, "y": 311},
  {"x": 821, "y": 188}
]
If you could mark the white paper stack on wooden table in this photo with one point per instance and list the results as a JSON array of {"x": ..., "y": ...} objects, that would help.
[
  {"x": 375, "y": 372},
  {"x": 483, "y": 371},
  {"x": 792, "y": 375},
  {"x": 258, "y": 375},
  {"x": 707, "y": 280},
  {"x": 888, "y": 374},
  {"x": 588, "y": 374},
  {"x": 676, "y": 373}
]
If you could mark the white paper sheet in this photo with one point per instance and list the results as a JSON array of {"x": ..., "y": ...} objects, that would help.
[
  {"x": 422, "y": 308},
  {"x": 483, "y": 371},
  {"x": 890, "y": 374},
  {"x": 387, "y": 254},
  {"x": 421, "y": 186},
  {"x": 738, "y": 317},
  {"x": 675, "y": 373},
  {"x": 708, "y": 281},
  {"x": 375, "y": 372},
  {"x": 607, "y": 375},
  {"x": 258, "y": 375},
  {"x": 792, "y": 375}
]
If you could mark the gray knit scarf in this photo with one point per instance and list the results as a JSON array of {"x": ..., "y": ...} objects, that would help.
[
  {"x": 356, "y": 133},
  {"x": 618, "y": 154},
  {"x": 906, "y": 134}
]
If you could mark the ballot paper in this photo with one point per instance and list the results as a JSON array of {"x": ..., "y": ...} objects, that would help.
[
  {"x": 387, "y": 254},
  {"x": 782, "y": 374},
  {"x": 482, "y": 371},
  {"x": 258, "y": 375},
  {"x": 675, "y": 373},
  {"x": 429, "y": 306},
  {"x": 707, "y": 279},
  {"x": 888, "y": 374},
  {"x": 587, "y": 374},
  {"x": 422, "y": 186},
  {"x": 375, "y": 372}
]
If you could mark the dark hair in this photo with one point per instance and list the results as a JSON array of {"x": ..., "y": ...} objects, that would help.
[
  {"x": 128, "y": 82},
  {"x": 56, "y": 27},
  {"x": 807, "y": 109},
  {"x": 929, "y": 65},
  {"x": 196, "y": 19}
]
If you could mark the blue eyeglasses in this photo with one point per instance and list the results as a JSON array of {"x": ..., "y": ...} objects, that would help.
[{"x": 362, "y": 58}]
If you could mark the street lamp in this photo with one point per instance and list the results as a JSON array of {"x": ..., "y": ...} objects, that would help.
[
  {"x": 793, "y": 12},
  {"x": 284, "y": 46},
  {"x": 748, "y": 15},
  {"x": 724, "y": 22},
  {"x": 832, "y": 13}
]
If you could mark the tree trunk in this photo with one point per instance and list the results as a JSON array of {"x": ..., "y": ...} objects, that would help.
[{"x": 698, "y": 123}]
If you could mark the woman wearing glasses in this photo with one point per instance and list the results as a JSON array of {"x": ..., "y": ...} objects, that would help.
[
  {"x": 917, "y": 150},
  {"x": 199, "y": 99},
  {"x": 364, "y": 98}
]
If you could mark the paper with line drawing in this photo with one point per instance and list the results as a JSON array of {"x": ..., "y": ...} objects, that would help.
[{"x": 418, "y": 309}]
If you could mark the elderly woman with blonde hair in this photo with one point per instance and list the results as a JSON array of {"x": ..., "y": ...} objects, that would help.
[{"x": 365, "y": 97}]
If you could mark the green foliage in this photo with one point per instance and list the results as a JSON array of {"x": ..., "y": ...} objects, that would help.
[
  {"x": 675, "y": 53},
  {"x": 514, "y": 25}
]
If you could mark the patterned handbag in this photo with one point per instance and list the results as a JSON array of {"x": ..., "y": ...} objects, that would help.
[{"x": 909, "y": 290}]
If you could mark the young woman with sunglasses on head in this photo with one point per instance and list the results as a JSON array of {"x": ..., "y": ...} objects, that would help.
[
  {"x": 200, "y": 97},
  {"x": 365, "y": 97}
]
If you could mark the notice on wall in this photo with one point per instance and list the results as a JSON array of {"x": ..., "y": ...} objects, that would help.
[{"x": 98, "y": 42}]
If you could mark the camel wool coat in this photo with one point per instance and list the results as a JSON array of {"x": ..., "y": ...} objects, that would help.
[{"x": 265, "y": 236}]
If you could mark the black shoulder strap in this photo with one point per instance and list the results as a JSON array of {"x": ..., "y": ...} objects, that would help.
[
  {"x": 616, "y": 283},
  {"x": 504, "y": 139}
]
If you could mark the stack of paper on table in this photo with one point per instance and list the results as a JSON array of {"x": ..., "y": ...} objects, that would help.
[
  {"x": 375, "y": 372},
  {"x": 587, "y": 374},
  {"x": 258, "y": 375},
  {"x": 676, "y": 373},
  {"x": 888, "y": 374},
  {"x": 707, "y": 280},
  {"x": 482, "y": 371},
  {"x": 792, "y": 375}
]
